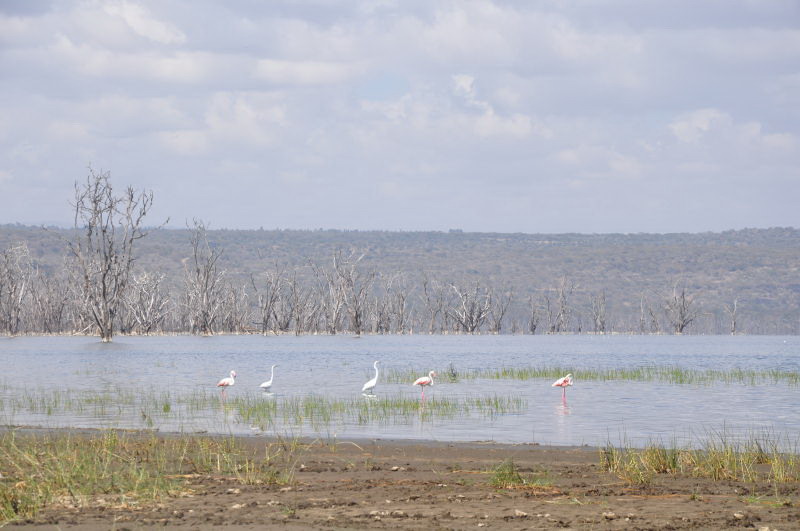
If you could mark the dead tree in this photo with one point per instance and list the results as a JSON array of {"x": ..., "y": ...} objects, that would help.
[
  {"x": 534, "y": 315},
  {"x": 50, "y": 295},
  {"x": 733, "y": 313},
  {"x": 599, "y": 313},
  {"x": 679, "y": 310},
  {"x": 558, "y": 314},
  {"x": 498, "y": 309},
  {"x": 399, "y": 305},
  {"x": 268, "y": 296},
  {"x": 235, "y": 310},
  {"x": 330, "y": 294},
  {"x": 648, "y": 317},
  {"x": 642, "y": 316},
  {"x": 147, "y": 303},
  {"x": 380, "y": 315},
  {"x": 471, "y": 307},
  {"x": 300, "y": 304},
  {"x": 283, "y": 310},
  {"x": 107, "y": 226},
  {"x": 203, "y": 280},
  {"x": 16, "y": 271},
  {"x": 434, "y": 296},
  {"x": 356, "y": 285}
]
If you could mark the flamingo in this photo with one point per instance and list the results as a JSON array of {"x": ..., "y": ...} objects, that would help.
[
  {"x": 227, "y": 382},
  {"x": 563, "y": 383},
  {"x": 423, "y": 381},
  {"x": 266, "y": 386},
  {"x": 369, "y": 387}
]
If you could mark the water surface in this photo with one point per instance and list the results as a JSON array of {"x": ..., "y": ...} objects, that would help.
[{"x": 337, "y": 366}]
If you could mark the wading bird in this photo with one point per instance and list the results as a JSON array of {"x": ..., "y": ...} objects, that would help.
[
  {"x": 230, "y": 381},
  {"x": 424, "y": 381},
  {"x": 266, "y": 386},
  {"x": 563, "y": 383},
  {"x": 369, "y": 387}
]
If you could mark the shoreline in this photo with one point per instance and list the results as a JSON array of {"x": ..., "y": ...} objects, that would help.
[
  {"x": 409, "y": 484},
  {"x": 302, "y": 439}
]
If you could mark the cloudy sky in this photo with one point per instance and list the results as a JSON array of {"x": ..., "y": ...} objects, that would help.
[{"x": 487, "y": 115}]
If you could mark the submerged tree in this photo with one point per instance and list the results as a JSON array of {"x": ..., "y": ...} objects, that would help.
[
  {"x": 471, "y": 307},
  {"x": 107, "y": 227},
  {"x": 356, "y": 283},
  {"x": 733, "y": 312},
  {"x": 147, "y": 302},
  {"x": 203, "y": 298},
  {"x": 498, "y": 308},
  {"x": 599, "y": 313},
  {"x": 679, "y": 309},
  {"x": 16, "y": 272}
]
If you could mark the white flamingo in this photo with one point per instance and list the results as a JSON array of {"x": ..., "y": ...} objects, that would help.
[
  {"x": 266, "y": 386},
  {"x": 369, "y": 387},
  {"x": 425, "y": 381},
  {"x": 230, "y": 381}
]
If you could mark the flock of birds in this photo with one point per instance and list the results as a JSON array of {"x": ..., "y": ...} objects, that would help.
[{"x": 369, "y": 387}]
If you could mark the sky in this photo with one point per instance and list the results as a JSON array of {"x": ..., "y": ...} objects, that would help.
[{"x": 546, "y": 116}]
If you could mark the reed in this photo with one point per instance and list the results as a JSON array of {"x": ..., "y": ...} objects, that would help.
[
  {"x": 319, "y": 411},
  {"x": 252, "y": 408},
  {"x": 128, "y": 469},
  {"x": 719, "y": 457},
  {"x": 648, "y": 373}
]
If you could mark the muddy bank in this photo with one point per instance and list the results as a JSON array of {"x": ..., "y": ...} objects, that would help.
[{"x": 432, "y": 485}]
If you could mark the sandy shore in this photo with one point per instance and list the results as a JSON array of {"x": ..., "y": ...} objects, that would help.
[{"x": 383, "y": 484}]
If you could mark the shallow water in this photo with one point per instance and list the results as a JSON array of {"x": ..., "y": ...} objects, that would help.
[{"x": 594, "y": 413}]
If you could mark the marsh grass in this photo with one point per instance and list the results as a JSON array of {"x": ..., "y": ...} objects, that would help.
[
  {"x": 156, "y": 407},
  {"x": 129, "y": 469},
  {"x": 718, "y": 458},
  {"x": 506, "y": 475},
  {"x": 649, "y": 373},
  {"x": 319, "y": 411}
]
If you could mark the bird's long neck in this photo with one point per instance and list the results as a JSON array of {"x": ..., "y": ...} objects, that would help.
[
  {"x": 376, "y": 371},
  {"x": 272, "y": 373}
]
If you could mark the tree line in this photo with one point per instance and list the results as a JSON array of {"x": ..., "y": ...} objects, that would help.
[{"x": 101, "y": 289}]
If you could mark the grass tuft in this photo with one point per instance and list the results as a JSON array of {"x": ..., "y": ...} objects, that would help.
[
  {"x": 719, "y": 458},
  {"x": 36, "y": 470}
]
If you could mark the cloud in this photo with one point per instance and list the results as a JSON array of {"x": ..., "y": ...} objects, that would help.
[
  {"x": 238, "y": 120},
  {"x": 691, "y": 127},
  {"x": 143, "y": 23},
  {"x": 542, "y": 115},
  {"x": 303, "y": 72}
]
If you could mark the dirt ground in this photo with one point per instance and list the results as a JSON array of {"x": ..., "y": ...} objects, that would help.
[{"x": 429, "y": 485}]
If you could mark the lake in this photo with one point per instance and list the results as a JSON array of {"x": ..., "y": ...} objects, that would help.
[{"x": 168, "y": 383}]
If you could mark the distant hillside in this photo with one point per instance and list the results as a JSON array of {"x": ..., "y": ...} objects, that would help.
[{"x": 757, "y": 267}]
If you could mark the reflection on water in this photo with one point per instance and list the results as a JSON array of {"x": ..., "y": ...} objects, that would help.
[
  {"x": 591, "y": 412},
  {"x": 563, "y": 408}
]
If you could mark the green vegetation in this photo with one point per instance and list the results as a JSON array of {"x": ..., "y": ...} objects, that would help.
[
  {"x": 250, "y": 408},
  {"x": 649, "y": 373},
  {"x": 126, "y": 470},
  {"x": 718, "y": 458},
  {"x": 506, "y": 475}
]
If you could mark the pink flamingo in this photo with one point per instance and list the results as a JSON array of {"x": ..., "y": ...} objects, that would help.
[
  {"x": 227, "y": 382},
  {"x": 563, "y": 383},
  {"x": 424, "y": 381}
]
